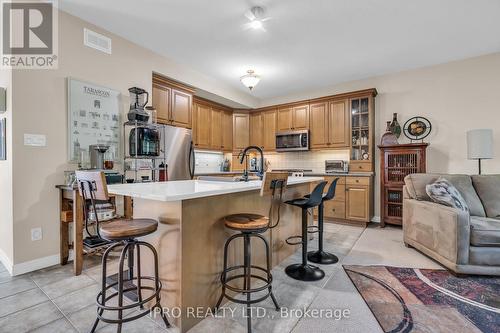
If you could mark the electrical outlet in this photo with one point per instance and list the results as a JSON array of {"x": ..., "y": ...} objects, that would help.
[{"x": 36, "y": 234}]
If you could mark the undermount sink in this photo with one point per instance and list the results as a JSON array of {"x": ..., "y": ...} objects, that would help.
[{"x": 226, "y": 179}]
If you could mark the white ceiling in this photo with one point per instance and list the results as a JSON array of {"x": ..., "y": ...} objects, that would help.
[{"x": 309, "y": 44}]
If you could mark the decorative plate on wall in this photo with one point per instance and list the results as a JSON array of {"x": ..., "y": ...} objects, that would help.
[{"x": 417, "y": 128}]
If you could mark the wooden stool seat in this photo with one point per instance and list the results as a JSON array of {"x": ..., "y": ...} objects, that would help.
[
  {"x": 246, "y": 222},
  {"x": 123, "y": 228}
]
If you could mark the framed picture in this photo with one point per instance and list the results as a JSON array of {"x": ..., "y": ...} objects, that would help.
[
  {"x": 93, "y": 118},
  {"x": 3, "y": 139}
]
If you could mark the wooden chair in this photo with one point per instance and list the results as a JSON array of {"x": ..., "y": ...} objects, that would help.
[
  {"x": 253, "y": 225},
  {"x": 120, "y": 232}
]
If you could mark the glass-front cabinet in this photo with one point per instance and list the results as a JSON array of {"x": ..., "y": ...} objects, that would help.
[{"x": 361, "y": 133}]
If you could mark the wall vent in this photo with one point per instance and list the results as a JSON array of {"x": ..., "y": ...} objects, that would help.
[{"x": 96, "y": 41}]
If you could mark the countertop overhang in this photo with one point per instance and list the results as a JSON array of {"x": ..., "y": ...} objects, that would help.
[{"x": 192, "y": 189}]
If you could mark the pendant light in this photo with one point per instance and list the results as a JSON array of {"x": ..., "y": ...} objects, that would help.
[{"x": 250, "y": 80}]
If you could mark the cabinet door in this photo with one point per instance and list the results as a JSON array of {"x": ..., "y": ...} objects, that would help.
[
  {"x": 215, "y": 129},
  {"x": 240, "y": 131},
  {"x": 300, "y": 117},
  {"x": 338, "y": 123},
  {"x": 319, "y": 125},
  {"x": 269, "y": 129},
  {"x": 180, "y": 112},
  {"x": 161, "y": 102},
  {"x": 202, "y": 128},
  {"x": 357, "y": 203},
  {"x": 256, "y": 130},
  {"x": 227, "y": 131},
  {"x": 285, "y": 119}
]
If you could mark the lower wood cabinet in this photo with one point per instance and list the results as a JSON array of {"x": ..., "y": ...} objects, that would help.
[
  {"x": 353, "y": 201},
  {"x": 357, "y": 203}
]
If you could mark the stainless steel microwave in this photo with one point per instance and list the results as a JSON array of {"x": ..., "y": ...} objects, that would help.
[{"x": 292, "y": 140}]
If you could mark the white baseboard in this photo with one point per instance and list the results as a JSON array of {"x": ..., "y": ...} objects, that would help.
[
  {"x": 33, "y": 265},
  {"x": 6, "y": 261},
  {"x": 376, "y": 219}
]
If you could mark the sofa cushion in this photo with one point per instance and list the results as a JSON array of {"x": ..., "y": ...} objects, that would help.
[
  {"x": 444, "y": 193},
  {"x": 484, "y": 231},
  {"x": 488, "y": 189},
  {"x": 416, "y": 183}
]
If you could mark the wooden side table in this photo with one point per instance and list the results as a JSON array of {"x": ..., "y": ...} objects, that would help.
[{"x": 71, "y": 211}]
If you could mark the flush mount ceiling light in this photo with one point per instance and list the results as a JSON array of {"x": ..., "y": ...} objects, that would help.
[
  {"x": 257, "y": 19},
  {"x": 250, "y": 80}
]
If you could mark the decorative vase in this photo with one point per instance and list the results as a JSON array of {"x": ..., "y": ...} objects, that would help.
[
  {"x": 395, "y": 128},
  {"x": 389, "y": 138}
]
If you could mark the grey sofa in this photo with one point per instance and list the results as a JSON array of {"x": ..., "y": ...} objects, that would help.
[{"x": 464, "y": 243}]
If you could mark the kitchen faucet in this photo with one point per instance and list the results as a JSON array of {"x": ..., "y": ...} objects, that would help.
[{"x": 243, "y": 155}]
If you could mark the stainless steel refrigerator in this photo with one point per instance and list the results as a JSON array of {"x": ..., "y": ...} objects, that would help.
[{"x": 179, "y": 151}]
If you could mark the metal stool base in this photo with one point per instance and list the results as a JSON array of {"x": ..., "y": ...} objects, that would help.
[
  {"x": 322, "y": 257},
  {"x": 303, "y": 272}
]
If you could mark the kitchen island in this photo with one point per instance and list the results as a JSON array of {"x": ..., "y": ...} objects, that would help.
[{"x": 190, "y": 237}]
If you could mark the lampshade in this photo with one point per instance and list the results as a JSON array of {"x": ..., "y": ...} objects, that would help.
[
  {"x": 250, "y": 80},
  {"x": 480, "y": 144}
]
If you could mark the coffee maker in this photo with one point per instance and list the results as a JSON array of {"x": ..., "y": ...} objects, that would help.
[
  {"x": 138, "y": 100},
  {"x": 97, "y": 156}
]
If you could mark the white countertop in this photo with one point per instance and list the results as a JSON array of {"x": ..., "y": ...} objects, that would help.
[{"x": 191, "y": 189}]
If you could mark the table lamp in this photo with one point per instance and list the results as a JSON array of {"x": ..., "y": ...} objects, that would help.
[{"x": 480, "y": 145}]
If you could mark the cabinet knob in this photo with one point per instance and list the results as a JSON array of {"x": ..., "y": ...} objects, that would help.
[
  {"x": 333, "y": 209},
  {"x": 360, "y": 167},
  {"x": 357, "y": 180}
]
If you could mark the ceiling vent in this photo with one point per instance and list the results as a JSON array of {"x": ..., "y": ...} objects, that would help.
[{"x": 96, "y": 41}]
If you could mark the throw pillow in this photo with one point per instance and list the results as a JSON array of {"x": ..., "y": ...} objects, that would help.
[{"x": 443, "y": 192}]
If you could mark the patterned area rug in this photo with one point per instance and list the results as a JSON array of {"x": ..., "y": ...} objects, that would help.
[{"x": 426, "y": 300}]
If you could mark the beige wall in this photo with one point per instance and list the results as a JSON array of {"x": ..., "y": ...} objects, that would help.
[
  {"x": 41, "y": 99},
  {"x": 455, "y": 97},
  {"x": 6, "y": 235}
]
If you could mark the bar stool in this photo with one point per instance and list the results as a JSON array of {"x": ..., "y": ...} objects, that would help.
[
  {"x": 251, "y": 226},
  {"x": 120, "y": 233},
  {"x": 304, "y": 271},
  {"x": 320, "y": 256}
]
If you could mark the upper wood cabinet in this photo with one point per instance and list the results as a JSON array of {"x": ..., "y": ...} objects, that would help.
[
  {"x": 215, "y": 125},
  {"x": 180, "y": 112},
  {"x": 338, "y": 124},
  {"x": 319, "y": 125},
  {"x": 329, "y": 124},
  {"x": 293, "y": 117},
  {"x": 173, "y": 102},
  {"x": 241, "y": 129},
  {"x": 201, "y": 130},
  {"x": 256, "y": 129},
  {"x": 161, "y": 102},
  {"x": 212, "y": 126},
  {"x": 227, "y": 131},
  {"x": 269, "y": 130}
]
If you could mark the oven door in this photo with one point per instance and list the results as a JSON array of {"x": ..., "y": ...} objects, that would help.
[{"x": 292, "y": 140}]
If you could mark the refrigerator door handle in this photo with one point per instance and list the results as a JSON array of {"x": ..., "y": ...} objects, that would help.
[{"x": 191, "y": 159}]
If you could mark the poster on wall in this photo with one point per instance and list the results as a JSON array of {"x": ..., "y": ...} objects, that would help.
[
  {"x": 3, "y": 139},
  {"x": 94, "y": 118}
]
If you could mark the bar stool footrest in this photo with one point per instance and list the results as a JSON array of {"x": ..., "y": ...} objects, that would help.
[
  {"x": 291, "y": 240},
  {"x": 312, "y": 229}
]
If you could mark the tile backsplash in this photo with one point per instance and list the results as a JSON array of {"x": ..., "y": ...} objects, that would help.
[
  {"x": 207, "y": 161},
  {"x": 307, "y": 160}
]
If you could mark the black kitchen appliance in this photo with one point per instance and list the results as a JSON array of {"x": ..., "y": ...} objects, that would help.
[
  {"x": 138, "y": 100},
  {"x": 148, "y": 141}
]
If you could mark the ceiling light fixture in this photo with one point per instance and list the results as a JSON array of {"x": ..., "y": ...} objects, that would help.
[
  {"x": 256, "y": 17},
  {"x": 250, "y": 80}
]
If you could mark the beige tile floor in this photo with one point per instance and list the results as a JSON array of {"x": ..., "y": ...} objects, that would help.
[{"x": 53, "y": 300}]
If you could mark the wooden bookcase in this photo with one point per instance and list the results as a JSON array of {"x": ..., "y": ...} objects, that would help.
[{"x": 396, "y": 162}]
